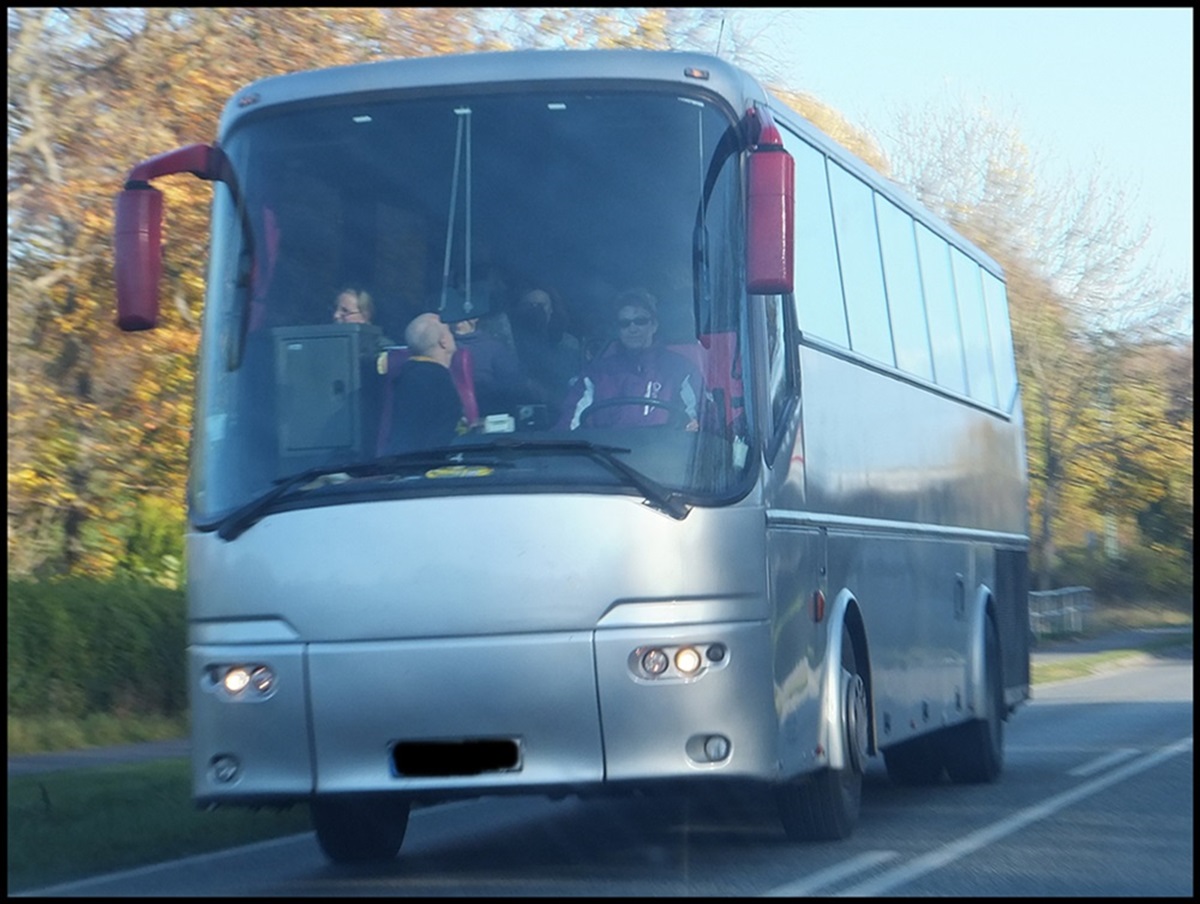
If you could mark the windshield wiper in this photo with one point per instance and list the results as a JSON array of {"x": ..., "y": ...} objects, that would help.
[
  {"x": 242, "y": 518},
  {"x": 246, "y": 516},
  {"x": 656, "y": 494}
]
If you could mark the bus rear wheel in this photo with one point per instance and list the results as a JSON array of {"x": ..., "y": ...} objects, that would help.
[
  {"x": 824, "y": 806},
  {"x": 360, "y": 830},
  {"x": 975, "y": 750}
]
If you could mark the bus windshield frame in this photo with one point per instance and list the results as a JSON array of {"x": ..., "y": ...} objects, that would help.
[{"x": 433, "y": 199}]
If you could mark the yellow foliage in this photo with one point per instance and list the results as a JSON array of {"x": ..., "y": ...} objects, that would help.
[{"x": 854, "y": 139}]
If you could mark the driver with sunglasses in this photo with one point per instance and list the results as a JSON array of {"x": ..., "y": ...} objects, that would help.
[{"x": 635, "y": 382}]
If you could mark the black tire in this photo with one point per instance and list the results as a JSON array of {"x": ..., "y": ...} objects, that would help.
[
  {"x": 360, "y": 830},
  {"x": 975, "y": 750},
  {"x": 824, "y": 806},
  {"x": 916, "y": 762}
]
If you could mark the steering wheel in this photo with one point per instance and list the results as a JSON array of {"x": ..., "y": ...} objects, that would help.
[{"x": 678, "y": 415}]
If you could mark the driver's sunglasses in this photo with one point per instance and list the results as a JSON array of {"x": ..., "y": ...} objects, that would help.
[{"x": 633, "y": 321}]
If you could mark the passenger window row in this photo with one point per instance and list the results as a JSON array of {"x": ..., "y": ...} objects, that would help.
[{"x": 873, "y": 280}]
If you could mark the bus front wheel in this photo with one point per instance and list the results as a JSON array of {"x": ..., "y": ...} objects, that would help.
[
  {"x": 824, "y": 806},
  {"x": 359, "y": 831}
]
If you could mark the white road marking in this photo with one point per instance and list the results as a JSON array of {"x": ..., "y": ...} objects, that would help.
[
  {"x": 950, "y": 852},
  {"x": 1117, "y": 756},
  {"x": 809, "y": 884}
]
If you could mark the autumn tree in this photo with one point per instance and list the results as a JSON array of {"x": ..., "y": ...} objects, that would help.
[
  {"x": 856, "y": 140},
  {"x": 577, "y": 28}
]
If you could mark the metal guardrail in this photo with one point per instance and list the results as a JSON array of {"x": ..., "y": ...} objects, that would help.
[{"x": 1063, "y": 611}]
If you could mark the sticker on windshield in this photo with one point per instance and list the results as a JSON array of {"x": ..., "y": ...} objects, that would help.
[{"x": 460, "y": 471}]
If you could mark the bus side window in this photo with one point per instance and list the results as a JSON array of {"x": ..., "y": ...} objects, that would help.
[{"x": 820, "y": 309}]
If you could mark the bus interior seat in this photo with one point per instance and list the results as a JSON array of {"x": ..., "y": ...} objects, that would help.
[{"x": 462, "y": 372}]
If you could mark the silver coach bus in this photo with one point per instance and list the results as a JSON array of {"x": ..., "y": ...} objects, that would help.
[{"x": 832, "y": 566}]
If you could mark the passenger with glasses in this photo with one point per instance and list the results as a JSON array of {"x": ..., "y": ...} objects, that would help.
[
  {"x": 353, "y": 306},
  {"x": 636, "y": 382},
  {"x": 356, "y": 306}
]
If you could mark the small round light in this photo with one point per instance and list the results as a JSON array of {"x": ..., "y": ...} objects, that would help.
[
  {"x": 655, "y": 662},
  {"x": 688, "y": 660},
  {"x": 236, "y": 680},
  {"x": 263, "y": 679},
  {"x": 716, "y": 652},
  {"x": 225, "y": 768},
  {"x": 716, "y": 748}
]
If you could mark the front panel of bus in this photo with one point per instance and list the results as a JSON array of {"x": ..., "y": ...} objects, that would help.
[{"x": 547, "y": 602}]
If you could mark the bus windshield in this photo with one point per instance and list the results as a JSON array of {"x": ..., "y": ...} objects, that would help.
[{"x": 585, "y": 247}]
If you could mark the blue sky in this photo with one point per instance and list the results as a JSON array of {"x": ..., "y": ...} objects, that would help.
[{"x": 1100, "y": 90}]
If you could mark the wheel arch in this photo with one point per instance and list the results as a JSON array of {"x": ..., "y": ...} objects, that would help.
[
  {"x": 982, "y": 608},
  {"x": 845, "y": 612}
]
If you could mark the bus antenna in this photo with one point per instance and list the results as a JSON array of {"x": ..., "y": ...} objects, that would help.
[{"x": 720, "y": 34}]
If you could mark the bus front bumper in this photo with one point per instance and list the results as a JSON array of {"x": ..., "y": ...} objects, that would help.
[{"x": 448, "y": 717}]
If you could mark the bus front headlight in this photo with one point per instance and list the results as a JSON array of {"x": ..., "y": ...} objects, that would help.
[
  {"x": 236, "y": 679},
  {"x": 263, "y": 679},
  {"x": 688, "y": 660},
  {"x": 655, "y": 662},
  {"x": 241, "y": 681}
]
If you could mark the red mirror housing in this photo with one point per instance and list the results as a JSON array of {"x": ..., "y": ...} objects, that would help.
[
  {"x": 770, "y": 212},
  {"x": 138, "y": 229},
  {"x": 203, "y": 161},
  {"x": 138, "y": 238}
]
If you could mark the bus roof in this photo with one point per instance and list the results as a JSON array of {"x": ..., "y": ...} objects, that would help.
[{"x": 498, "y": 67}]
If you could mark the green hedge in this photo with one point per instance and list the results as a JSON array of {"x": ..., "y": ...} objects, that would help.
[
  {"x": 79, "y": 646},
  {"x": 1157, "y": 573}
]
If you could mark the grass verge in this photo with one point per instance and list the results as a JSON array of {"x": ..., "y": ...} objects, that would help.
[
  {"x": 1084, "y": 664},
  {"x": 50, "y": 734},
  {"x": 85, "y": 822},
  {"x": 1079, "y": 666}
]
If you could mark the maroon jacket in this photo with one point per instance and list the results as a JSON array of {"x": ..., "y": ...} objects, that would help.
[{"x": 652, "y": 373}]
